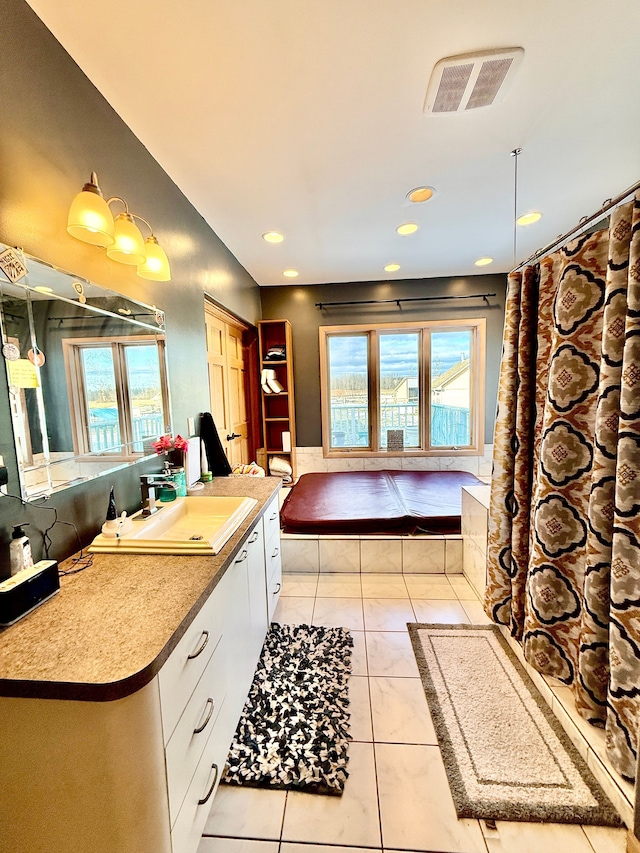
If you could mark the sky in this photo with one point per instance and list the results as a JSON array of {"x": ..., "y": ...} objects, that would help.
[
  {"x": 142, "y": 362},
  {"x": 400, "y": 352}
]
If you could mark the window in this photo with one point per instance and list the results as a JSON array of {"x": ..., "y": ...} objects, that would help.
[
  {"x": 418, "y": 388},
  {"x": 118, "y": 393}
]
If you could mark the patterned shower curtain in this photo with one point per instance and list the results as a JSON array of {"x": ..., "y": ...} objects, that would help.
[{"x": 564, "y": 523}]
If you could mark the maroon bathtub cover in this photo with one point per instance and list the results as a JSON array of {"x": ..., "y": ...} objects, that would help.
[{"x": 391, "y": 502}]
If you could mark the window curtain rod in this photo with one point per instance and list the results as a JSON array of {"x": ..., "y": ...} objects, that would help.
[
  {"x": 586, "y": 220},
  {"x": 397, "y": 302}
]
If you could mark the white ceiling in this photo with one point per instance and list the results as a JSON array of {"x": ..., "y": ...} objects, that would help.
[{"x": 305, "y": 116}]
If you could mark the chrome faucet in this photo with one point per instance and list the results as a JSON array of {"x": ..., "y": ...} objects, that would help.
[{"x": 148, "y": 484}]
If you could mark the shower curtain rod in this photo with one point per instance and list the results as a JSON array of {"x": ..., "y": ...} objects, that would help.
[
  {"x": 562, "y": 238},
  {"x": 397, "y": 302}
]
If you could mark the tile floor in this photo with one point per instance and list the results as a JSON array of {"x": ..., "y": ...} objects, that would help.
[{"x": 397, "y": 797}]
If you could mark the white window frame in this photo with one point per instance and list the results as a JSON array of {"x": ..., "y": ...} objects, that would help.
[
  {"x": 72, "y": 352},
  {"x": 477, "y": 327}
]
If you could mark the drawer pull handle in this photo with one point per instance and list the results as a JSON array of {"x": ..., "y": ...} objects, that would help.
[
  {"x": 201, "y": 728},
  {"x": 275, "y": 553},
  {"x": 213, "y": 785},
  {"x": 254, "y": 537},
  {"x": 242, "y": 556},
  {"x": 201, "y": 647},
  {"x": 277, "y": 589},
  {"x": 273, "y": 517}
]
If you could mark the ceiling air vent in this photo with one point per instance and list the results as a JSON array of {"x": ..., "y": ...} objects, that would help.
[{"x": 471, "y": 80}]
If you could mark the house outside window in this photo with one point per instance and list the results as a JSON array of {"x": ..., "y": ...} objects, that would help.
[
  {"x": 118, "y": 392},
  {"x": 414, "y": 386}
]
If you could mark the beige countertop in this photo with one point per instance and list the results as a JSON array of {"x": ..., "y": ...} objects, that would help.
[{"x": 111, "y": 627}]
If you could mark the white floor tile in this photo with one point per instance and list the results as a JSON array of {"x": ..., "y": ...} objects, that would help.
[
  {"x": 384, "y": 586},
  {"x": 293, "y": 610},
  {"x": 462, "y": 588},
  {"x": 237, "y": 845},
  {"x": 359, "y": 654},
  {"x": 339, "y": 586},
  {"x": 387, "y": 614},
  {"x": 429, "y": 586},
  {"x": 475, "y": 612},
  {"x": 339, "y": 613},
  {"x": 604, "y": 839},
  {"x": 243, "y": 812},
  {"x": 416, "y": 809},
  {"x": 535, "y": 837},
  {"x": 323, "y": 848},
  {"x": 440, "y": 612},
  {"x": 351, "y": 819},
  {"x": 400, "y": 711},
  {"x": 390, "y": 653},
  {"x": 360, "y": 709},
  {"x": 299, "y": 585}
]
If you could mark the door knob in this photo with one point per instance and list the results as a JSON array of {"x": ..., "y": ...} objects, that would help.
[{"x": 234, "y": 435}]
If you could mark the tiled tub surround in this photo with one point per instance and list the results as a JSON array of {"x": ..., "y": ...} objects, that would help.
[
  {"x": 375, "y": 554},
  {"x": 379, "y": 554},
  {"x": 155, "y": 647},
  {"x": 475, "y": 521},
  {"x": 311, "y": 459},
  {"x": 397, "y": 797}
]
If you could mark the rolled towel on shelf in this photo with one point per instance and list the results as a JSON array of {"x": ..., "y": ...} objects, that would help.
[{"x": 280, "y": 467}]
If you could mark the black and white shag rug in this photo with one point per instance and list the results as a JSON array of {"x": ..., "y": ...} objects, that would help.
[
  {"x": 506, "y": 755},
  {"x": 294, "y": 729}
]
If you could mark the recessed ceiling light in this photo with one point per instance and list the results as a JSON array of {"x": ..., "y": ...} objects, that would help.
[
  {"x": 420, "y": 194},
  {"x": 392, "y": 268},
  {"x": 482, "y": 262},
  {"x": 273, "y": 237},
  {"x": 529, "y": 218},
  {"x": 42, "y": 289},
  {"x": 407, "y": 228},
  {"x": 290, "y": 273}
]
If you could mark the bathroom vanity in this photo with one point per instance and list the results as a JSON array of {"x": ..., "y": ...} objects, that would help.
[{"x": 120, "y": 696}]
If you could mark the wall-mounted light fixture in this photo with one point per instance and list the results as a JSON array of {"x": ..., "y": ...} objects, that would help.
[{"x": 91, "y": 220}]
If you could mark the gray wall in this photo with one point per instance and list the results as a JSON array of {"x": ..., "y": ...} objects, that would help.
[
  {"x": 56, "y": 129},
  {"x": 298, "y": 305}
]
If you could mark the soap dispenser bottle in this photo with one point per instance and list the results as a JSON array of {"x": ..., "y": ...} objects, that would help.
[{"x": 19, "y": 550}]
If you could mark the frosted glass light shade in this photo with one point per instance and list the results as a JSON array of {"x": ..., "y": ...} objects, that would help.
[
  {"x": 156, "y": 266},
  {"x": 90, "y": 219},
  {"x": 128, "y": 247}
]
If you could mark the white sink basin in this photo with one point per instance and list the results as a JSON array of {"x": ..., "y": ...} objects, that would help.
[{"x": 191, "y": 525}]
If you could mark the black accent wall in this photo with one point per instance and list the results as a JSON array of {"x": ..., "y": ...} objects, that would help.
[
  {"x": 57, "y": 128},
  {"x": 298, "y": 305}
]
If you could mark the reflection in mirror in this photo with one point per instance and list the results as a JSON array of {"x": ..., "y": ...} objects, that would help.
[{"x": 86, "y": 376}]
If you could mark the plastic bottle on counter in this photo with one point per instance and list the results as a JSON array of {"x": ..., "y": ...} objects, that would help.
[{"x": 20, "y": 556}]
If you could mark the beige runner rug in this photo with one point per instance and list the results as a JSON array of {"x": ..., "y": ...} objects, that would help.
[{"x": 506, "y": 755}]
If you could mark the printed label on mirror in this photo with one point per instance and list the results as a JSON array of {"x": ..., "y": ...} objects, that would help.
[{"x": 12, "y": 265}]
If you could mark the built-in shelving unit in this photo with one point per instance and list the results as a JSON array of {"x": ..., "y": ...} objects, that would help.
[{"x": 278, "y": 407}]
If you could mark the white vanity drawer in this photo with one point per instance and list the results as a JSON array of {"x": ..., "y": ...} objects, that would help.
[
  {"x": 186, "y": 663},
  {"x": 187, "y": 830},
  {"x": 271, "y": 519},
  {"x": 190, "y": 736}
]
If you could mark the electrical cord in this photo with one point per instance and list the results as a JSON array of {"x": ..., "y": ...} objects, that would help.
[{"x": 83, "y": 561}]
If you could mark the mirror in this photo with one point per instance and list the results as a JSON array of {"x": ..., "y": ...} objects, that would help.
[{"x": 86, "y": 374}]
